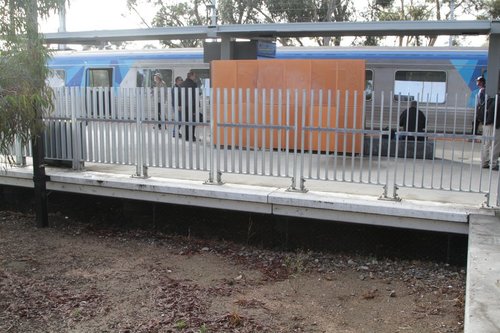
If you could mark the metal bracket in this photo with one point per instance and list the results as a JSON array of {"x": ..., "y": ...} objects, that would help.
[
  {"x": 386, "y": 197},
  {"x": 302, "y": 188},
  {"x": 210, "y": 180},
  {"x": 144, "y": 173}
]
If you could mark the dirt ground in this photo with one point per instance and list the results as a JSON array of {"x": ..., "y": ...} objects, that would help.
[{"x": 78, "y": 277}]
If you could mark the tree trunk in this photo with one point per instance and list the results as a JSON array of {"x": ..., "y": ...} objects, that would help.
[{"x": 39, "y": 176}]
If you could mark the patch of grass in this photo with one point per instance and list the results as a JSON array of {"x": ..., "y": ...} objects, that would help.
[{"x": 181, "y": 324}]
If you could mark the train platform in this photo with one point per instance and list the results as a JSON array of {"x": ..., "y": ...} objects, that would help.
[
  {"x": 435, "y": 211},
  {"x": 482, "y": 304}
]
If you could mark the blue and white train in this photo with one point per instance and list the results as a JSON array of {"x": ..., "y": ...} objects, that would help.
[{"x": 441, "y": 79}]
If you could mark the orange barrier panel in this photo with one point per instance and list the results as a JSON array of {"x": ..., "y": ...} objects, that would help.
[{"x": 304, "y": 78}]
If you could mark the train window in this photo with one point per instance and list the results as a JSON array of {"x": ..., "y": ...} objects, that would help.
[
  {"x": 368, "y": 84},
  {"x": 423, "y": 86},
  {"x": 201, "y": 77},
  {"x": 165, "y": 74},
  {"x": 145, "y": 77},
  {"x": 100, "y": 77},
  {"x": 56, "y": 78}
]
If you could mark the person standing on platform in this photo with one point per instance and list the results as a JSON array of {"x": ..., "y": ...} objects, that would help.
[
  {"x": 177, "y": 104},
  {"x": 190, "y": 107},
  {"x": 480, "y": 102},
  {"x": 485, "y": 108},
  {"x": 160, "y": 84}
]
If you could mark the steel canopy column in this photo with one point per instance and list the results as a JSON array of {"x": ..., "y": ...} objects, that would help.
[
  {"x": 493, "y": 77},
  {"x": 225, "y": 48}
]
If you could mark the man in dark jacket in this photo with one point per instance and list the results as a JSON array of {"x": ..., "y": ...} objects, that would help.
[
  {"x": 190, "y": 105},
  {"x": 490, "y": 151},
  {"x": 413, "y": 120}
]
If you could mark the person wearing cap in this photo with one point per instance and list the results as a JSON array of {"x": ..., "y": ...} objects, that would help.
[
  {"x": 190, "y": 107},
  {"x": 490, "y": 150},
  {"x": 481, "y": 83},
  {"x": 481, "y": 94}
]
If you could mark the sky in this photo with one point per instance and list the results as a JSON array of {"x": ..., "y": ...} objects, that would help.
[{"x": 86, "y": 15}]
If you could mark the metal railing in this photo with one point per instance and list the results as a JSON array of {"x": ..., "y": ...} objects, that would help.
[{"x": 296, "y": 134}]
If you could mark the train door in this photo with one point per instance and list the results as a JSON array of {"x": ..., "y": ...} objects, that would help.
[{"x": 97, "y": 100}]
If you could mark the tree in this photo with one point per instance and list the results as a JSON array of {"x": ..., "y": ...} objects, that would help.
[
  {"x": 188, "y": 13},
  {"x": 24, "y": 95},
  {"x": 195, "y": 12},
  {"x": 486, "y": 9},
  {"x": 421, "y": 10}
]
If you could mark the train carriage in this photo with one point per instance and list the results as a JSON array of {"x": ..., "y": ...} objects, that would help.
[{"x": 442, "y": 80}]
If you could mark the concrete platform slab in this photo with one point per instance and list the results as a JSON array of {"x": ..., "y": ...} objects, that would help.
[{"x": 482, "y": 303}]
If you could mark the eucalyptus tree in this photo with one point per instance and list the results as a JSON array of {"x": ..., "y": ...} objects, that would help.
[
  {"x": 487, "y": 9},
  {"x": 24, "y": 95},
  {"x": 422, "y": 10},
  {"x": 196, "y": 12}
]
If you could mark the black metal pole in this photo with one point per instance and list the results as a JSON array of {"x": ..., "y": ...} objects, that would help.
[{"x": 39, "y": 181}]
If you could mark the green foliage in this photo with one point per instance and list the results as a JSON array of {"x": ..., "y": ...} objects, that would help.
[
  {"x": 181, "y": 324},
  {"x": 24, "y": 96},
  {"x": 203, "y": 329}
]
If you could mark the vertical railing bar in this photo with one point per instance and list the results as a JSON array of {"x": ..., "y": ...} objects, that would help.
[
  {"x": 461, "y": 183},
  {"x": 394, "y": 181},
  {"x": 248, "y": 132},
  {"x": 109, "y": 125},
  {"x": 344, "y": 143},
  {"x": 218, "y": 129},
  {"x": 337, "y": 123},
  {"x": 120, "y": 126},
  {"x": 91, "y": 117},
  {"x": 150, "y": 116},
  {"x": 434, "y": 144},
  {"x": 405, "y": 159},
  {"x": 302, "y": 137},
  {"x": 415, "y": 144},
  {"x": 328, "y": 134},
  {"x": 271, "y": 133},
  {"x": 444, "y": 147},
  {"x": 255, "y": 131},
  {"x": 454, "y": 142},
  {"x": 197, "y": 144},
  {"x": 309, "y": 125},
  {"x": 172, "y": 107},
  {"x": 233, "y": 125},
  {"x": 473, "y": 143},
  {"x": 162, "y": 161},
  {"x": 379, "y": 157},
  {"x": 320, "y": 134},
  {"x": 122, "y": 106},
  {"x": 288, "y": 133},
  {"x": 362, "y": 143},
  {"x": 353, "y": 136},
  {"x": 425, "y": 141},
  {"x": 280, "y": 130},
  {"x": 295, "y": 139},
  {"x": 182, "y": 161},
  {"x": 263, "y": 133},
  {"x": 242, "y": 127},
  {"x": 225, "y": 129}
]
